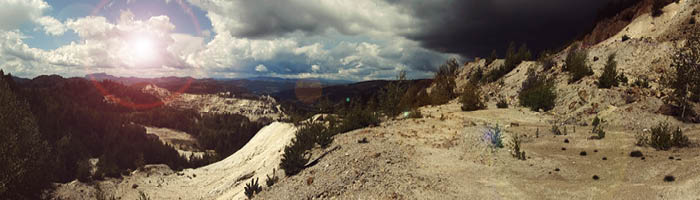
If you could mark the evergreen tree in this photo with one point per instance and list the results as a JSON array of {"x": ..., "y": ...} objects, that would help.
[{"x": 23, "y": 161}]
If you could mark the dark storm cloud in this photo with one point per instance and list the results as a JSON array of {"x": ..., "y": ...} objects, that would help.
[{"x": 476, "y": 27}]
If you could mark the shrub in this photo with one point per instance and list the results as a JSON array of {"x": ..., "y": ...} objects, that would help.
[
  {"x": 641, "y": 82},
  {"x": 546, "y": 61},
  {"x": 83, "y": 170},
  {"x": 537, "y": 92},
  {"x": 685, "y": 79},
  {"x": 662, "y": 137},
  {"x": 252, "y": 188},
  {"x": 357, "y": 117},
  {"x": 610, "y": 77},
  {"x": 323, "y": 135},
  {"x": 444, "y": 82},
  {"x": 641, "y": 139},
  {"x": 678, "y": 139},
  {"x": 471, "y": 98},
  {"x": 600, "y": 133},
  {"x": 555, "y": 130},
  {"x": 576, "y": 64},
  {"x": 515, "y": 145},
  {"x": 476, "y": 76},
  {"x": 512, "y": 60},
  {"x": 296, "y": 154},
  {"x": 502, "y": 103},
  {"x": 270, "y": 181},
  {"x": 143, "y": 196},
  {"x": 657, "y": 7},
  {"x": 415, "y": 113},
  {"x": 493, "y": 137},
  {"x": 491, "y": 58},
  {"x": 390, "y": 96}
]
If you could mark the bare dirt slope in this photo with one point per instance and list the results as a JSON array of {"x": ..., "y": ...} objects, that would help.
[
  {"x": 430, "y": 158},
  {"x": 222, "y": 180}
]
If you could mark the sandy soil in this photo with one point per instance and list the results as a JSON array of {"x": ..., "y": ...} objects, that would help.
[{"x": 430, "y": 158}]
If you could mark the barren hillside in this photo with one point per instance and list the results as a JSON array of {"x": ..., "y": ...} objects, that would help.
[{"x": 443, "y": 154}]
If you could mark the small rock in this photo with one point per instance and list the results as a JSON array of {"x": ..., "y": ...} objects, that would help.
[
  {"x": 557, "y": 169},
  {"x": 595, "y": 177},
  {"x": 595, "y": 150},
  {"x": 670, "y": 157},
  {"x": 563, "y": 148},
  {"x": 134, "y": 186},
  {"x": 566, "y": 140},
  {"x": 605, "y": 158},
  {"x": 310, "y": 180},
  {"x": 583, "y": 153}
]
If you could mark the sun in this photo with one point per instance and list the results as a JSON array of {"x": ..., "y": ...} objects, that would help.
[
  {"x": 140, "y": 50},
  {"x": 143, "y": 48}
]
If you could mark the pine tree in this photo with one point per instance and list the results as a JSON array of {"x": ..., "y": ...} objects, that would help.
[{"x": 22, "y": 173}]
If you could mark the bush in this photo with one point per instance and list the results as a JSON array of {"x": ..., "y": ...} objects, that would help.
[
  {"x": 661, "y": 138},
  {"x": 502, "y": 103},
  {"x": 83, "y": 171},
  {"x": 444, "y": 82},
  {"x": 610, "y": 77},
  {"x": 555, "y": 130},
  {"x": 537, "y": 92},
  {"x": 390, "y": 96},
  {"x": 546, "y": 61},
  {"x": 678, "y": 139},
  {"x": 576, "y": 64},
  {"x": 415, "y": 113},
  {"x": 493, "y": 137},
  {"x": 143, "y": 196},
  {"x": 598, "y": 128},
  {"x": 476, "y": 76},
  {"x": 270, "y": 181},
  {"x": 491, "y": 58},
  {"x": 296, "y": 154},
  {"x": 471, "y": 98},
  {"x": 252, "y": 188},
  {"x": 512, "y": 60},
  {"x": 515, "y": 145},
  {"x": 357, "y": 117},
  {"x": 322, "y": 136},
  {"x": 685, "y": 79},
  {"x": 641, "y": 82},
  {"x": 657, "y": 7}
]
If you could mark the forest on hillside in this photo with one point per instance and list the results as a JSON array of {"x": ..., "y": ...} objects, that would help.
[{"x": 52, "y": 127}]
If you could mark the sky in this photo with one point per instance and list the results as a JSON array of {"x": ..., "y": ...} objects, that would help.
[{"x": 331, "y": 39}]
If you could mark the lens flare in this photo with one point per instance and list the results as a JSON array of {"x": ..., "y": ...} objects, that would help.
[{"x": 144, "y": 49}]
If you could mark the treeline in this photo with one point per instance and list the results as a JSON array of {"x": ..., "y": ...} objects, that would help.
[
  {"x": 56, "y": 125},
  {"x": 225, "y": 133}
]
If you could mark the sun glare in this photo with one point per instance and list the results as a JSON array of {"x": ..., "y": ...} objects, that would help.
[{"x": 143, "y": 48}]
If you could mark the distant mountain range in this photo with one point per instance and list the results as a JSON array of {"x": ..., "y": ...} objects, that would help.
[{"x": 242, "y": 86}]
